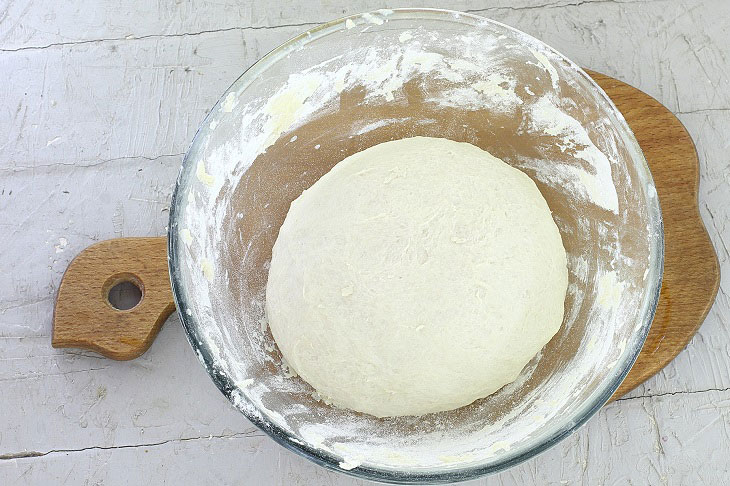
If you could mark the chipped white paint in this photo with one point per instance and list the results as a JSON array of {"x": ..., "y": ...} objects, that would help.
[
  {"x": 62, "y": 242},
  {"x": 132, "y": 83}
]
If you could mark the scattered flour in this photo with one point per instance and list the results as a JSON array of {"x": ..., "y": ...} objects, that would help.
[{"x": 475, "y": 75}]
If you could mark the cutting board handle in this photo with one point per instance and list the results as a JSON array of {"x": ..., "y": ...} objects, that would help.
[{"x": 85, "y": 318}]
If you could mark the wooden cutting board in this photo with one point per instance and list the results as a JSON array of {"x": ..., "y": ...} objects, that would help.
[
  {"x": 691, "y": 269},
  {"x": 83, "y": 317}
]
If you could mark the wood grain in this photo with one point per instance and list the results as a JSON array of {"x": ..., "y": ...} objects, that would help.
[{"x": 83, "y": 317}]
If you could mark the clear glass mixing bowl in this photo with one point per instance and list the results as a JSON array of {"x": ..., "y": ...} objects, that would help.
[{"x": 352, "y": 83}]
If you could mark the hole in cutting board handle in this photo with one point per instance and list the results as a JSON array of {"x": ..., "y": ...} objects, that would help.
[
  {"x": 125, "y": 295},
  {"x": 123, "y": 291}
]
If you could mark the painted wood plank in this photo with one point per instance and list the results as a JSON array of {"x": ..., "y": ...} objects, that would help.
[
  {"x": 660, "y": 46},
  {"x": 91, "y": 136},
  {"x": 637, "y": 441}
]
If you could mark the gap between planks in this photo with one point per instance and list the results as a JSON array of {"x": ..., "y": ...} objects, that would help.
[{"x": 247, "y": 434}]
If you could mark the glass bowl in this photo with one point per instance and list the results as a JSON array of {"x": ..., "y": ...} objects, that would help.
[{"x": 352, "y": 83}]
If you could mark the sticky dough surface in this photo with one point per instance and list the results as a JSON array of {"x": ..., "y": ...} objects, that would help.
[{"x": 416, "y": 276}]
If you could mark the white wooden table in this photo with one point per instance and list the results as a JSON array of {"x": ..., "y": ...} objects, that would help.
[{"x": 99, "y": 100}]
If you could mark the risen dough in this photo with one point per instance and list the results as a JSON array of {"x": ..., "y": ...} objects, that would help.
[{"x": 416, "y": 276}]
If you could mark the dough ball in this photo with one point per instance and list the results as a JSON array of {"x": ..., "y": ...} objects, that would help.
[{"x": 416, "y": 276}]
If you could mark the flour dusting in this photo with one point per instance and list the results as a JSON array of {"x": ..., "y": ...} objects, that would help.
[{"x": 487, "y": 68}]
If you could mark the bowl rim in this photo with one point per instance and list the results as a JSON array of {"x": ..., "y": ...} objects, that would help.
[{"x": 592, "y": 404}]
